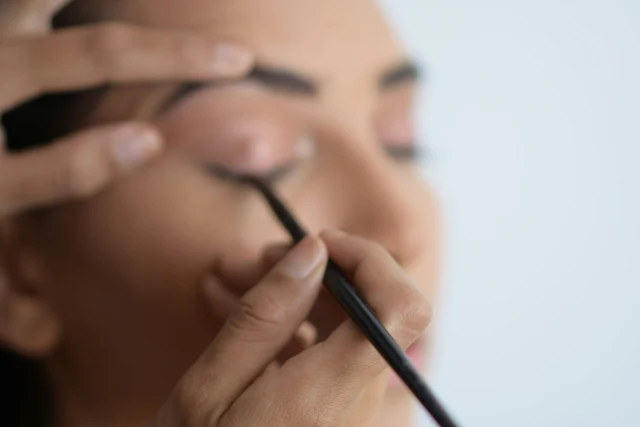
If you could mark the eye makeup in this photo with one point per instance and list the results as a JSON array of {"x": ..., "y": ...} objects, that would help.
[
  {"x": 253, "y": 131},
  {"x": 405, "y": 153},
  {"x": 271, "y": 177}
]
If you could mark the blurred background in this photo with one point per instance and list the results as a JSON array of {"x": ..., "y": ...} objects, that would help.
[{"x": 532, "y": 112}]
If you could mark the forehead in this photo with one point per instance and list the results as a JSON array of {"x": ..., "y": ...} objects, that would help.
[{"x": 309, "y": 35}]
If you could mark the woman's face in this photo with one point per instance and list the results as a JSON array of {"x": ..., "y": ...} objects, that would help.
[{"x": 329, "y": 113}]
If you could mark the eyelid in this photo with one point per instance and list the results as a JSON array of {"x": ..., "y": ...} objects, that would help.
[
  {"x": 269, "y": 176},
  {"x": 405, "y": 152},
  {"x": 304, "y": 148}
]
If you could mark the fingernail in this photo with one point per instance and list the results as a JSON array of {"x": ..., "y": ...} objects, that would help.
[
  {"x": 231, "y": 58},
  {"x": 134, "y": 146},
  {"x": 303, "y": 259}
]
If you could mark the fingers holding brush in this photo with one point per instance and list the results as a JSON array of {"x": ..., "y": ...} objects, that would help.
[
  {"x": 380, "y": 280},
  {"x": 399, "y": 305},
  {"x": 330, "y": 383},
  {"x": 340, "y": 380}
]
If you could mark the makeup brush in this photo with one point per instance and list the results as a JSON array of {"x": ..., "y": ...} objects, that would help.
[
  {"x": 355, "y": 306},
  {"x": 360, "y": 312}
]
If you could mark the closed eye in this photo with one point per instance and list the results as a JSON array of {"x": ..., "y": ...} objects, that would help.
[
  {"x": 271, "y": 176},
  {"x": 278, "y": 172},
  {"x": 406, "y": 152},
  {"x": 402, "y": 153}
]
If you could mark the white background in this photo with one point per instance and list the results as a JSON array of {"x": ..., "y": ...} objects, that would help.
[{"x": 533, "y": 117}]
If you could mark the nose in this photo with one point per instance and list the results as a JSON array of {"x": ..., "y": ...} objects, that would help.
[{"x": 383, "y": 202}]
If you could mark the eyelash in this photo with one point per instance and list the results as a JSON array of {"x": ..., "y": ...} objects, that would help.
[
  {"x": 406, "y": 152},
  {"x": 403, "y": 153},
  {"x": 279, "y": 172}
]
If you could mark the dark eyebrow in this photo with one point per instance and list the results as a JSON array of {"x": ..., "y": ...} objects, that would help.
[
  {"x": 290, "y": 82},
  {"x": 276, "y": 79},
  {"x": 407, "y": 72}
]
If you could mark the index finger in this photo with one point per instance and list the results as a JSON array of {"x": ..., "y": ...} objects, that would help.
[
  {"x": 265, "y": 320},
  {"x": 83, "y": 57}
]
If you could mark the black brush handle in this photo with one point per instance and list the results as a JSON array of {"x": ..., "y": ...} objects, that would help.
[{"x": 360, "y": 312}]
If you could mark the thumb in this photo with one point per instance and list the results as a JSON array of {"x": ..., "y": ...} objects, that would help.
[
  {"x": 22, "y": 17},
  {"x": 262, "y": 324}
]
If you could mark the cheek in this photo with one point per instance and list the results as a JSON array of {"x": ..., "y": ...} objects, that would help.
[
  {"x": 430, "y": 268},
  {"x": 142, "y": 233},
  {"x": 139, "y": 251},
  {"x": 151, "y": 239}
]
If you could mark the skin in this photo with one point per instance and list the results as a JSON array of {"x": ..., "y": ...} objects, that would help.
[{"x": 119, "y": 275}]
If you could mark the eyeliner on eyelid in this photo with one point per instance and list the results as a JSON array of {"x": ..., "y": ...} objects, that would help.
[
  {"x": 404, "y": 153},
  {"x": 271, "y": 176}
]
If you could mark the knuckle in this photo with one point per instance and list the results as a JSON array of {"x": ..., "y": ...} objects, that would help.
[
  {"x": 258, "y": 319},
  {"x": 415, "y": 314}
]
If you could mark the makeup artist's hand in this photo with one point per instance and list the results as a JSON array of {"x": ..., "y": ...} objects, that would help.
[
  {"x": 337, "y": 382},
  {"x": 35, "y": 60}
]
